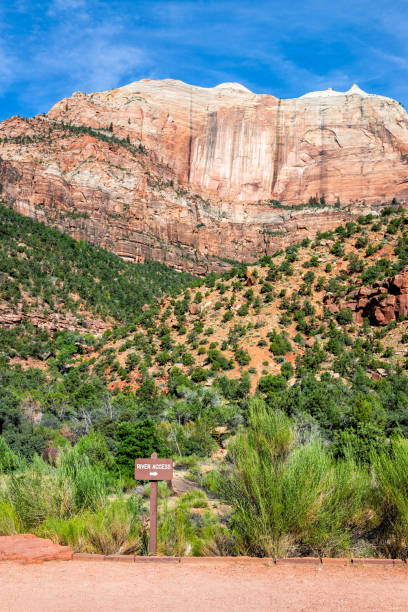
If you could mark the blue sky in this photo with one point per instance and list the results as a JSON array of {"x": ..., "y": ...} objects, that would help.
[{"x": 49, "y": 49}]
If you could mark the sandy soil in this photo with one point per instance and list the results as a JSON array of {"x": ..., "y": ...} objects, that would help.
[{"x": 200, "y": 586}]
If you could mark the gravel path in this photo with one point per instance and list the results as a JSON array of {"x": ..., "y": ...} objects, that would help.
[{"x": 200, "y": 586}]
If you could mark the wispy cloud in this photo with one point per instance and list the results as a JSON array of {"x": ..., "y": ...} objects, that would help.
[
  {"x": 94, "y": 58},
  {"x": 72, "y": 54},
  {"x": 50, "y": 49}
]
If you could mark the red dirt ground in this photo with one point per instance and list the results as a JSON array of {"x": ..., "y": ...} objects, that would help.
[
  {"x": 27, "y": 548},
  {"x": 199, "y": 586}
]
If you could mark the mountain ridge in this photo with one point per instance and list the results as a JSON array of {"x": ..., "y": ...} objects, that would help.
[{"x": 199, "y": 178}]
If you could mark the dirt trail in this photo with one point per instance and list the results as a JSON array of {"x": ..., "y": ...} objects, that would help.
[{"x": 199, "y": 586}]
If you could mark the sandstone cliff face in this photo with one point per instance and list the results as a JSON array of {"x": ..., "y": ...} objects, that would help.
[
  {"x": 231, "y": 143},
  {"x": 185, "y": 174}
]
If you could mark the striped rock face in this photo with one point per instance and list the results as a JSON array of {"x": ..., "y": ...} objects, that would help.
[{"x": 186, "y": 175}]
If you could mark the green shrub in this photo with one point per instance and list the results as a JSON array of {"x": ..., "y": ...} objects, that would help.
[
  {"x": 280, "y": 345},
  {"x": 290, "y": 498},
  {"x": 9, "y": 521},
  {"x": 199, "y": 374},
  {"x": 94, "y": 446},
  {"x": 344, "y": 316},
  {"x": 88, "y": 482},
  {"x": 391, "y": 474},
  {"x": 287, "y": 369},
  {"x": 9, "y": 461},
  {"x": 218, "y": 360},
  {"x": 116, "y": 529},
  {"x": 242, "y": 356},
  {"x": 137, "y": 440},
  {"x": 38, "y": 494},
  {"x": 180, "y": 532},
  {"x": 243, "y": 310}
]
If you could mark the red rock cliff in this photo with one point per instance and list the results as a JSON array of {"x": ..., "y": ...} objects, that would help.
[{"x": 185, "y": 174}]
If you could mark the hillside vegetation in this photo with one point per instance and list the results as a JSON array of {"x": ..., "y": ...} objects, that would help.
[
  {"x": 39, "y": 263},
  {"x": 278, "y": 386}
]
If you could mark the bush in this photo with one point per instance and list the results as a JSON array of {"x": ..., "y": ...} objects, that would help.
[
  {"x": 199, "y": 374},
  {"x": 136, "y": 440},
  {"x": 9, "y": 521},
  {"x": 391, "y": 474},
  {"x": 93, "y": 446},
  {"x": 180, "y": 532},
  {"x": 38, "y": 494},
  {"x": 243, "y": 310},
  {"x": 344, "y": 316},
  {"x": 218, "y": 360},
  {"x": 290, "y": 498},
  {"x": 9, "y": 461},
  {"x": 242, "y": 356},
  {"x": 88, "y": 482},
  {"x": 287, "y": 369},
  {"x": 114, "y": 529},
  {"x": 280, "y": 345}
]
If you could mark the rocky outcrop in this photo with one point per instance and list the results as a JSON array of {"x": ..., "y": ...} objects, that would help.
[
  {"x": 53, "y": 321},
  {"x": 27, "y": 548},
  {"x": 189, "y": 175},
  {"x": 380, "y": 304}
]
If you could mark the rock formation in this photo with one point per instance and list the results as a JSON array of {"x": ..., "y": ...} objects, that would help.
[
  {"x": 189, "y": 175},
  {"x": 28, "y": 548},
  {"x": 380, "y": 304}
]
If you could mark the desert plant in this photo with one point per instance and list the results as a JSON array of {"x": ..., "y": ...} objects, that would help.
[
  {"x": 391, "y": 474},
  {"x": 187, "y": 528},
  {"x": 290, "y": 498},
  {"x": 116, "y": 528},
  {"x": 113, "y": 529},
  {"x": 9, "y": 521},
  {"x": 88, "y": 483},
  {"x": 38, "y": 493},
  {"x": 9, "y": 461},
  {"x": 66, "y": 532}
]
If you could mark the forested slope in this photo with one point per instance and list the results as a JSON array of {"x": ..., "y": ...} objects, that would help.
[{"x": 293, "y": 368}]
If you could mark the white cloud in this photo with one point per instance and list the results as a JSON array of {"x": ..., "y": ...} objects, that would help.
[
  {"x": 9, "y": 69},
  {"x": 90, "y": 58},
  {"x": 99, "y": 44},
  {"x": 92, "y": 63}
]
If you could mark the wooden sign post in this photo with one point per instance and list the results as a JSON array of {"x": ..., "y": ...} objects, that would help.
[{"x": 153, "y": 469}]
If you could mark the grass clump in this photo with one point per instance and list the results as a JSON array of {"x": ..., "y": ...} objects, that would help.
[
  {"x": 391, "y": 474},
  {"x": 9, "y": 461},
  {"x": 189, "y": 528},
  {"x": 291, "y": 498}
]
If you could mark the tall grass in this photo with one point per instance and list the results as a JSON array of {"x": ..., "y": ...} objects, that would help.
[
  {"x": 290, "y": 498},
  {"x": 71, "y": 504},
  {"x": 9, "y": 461},
  {"x": 39, "y": 493},
  {"x": 189, "y": 528},
  {"x": 391, "y": 474},
  {"x": 114, "y": 529},
  {"x": 117, "y": 529},
  {"x": 9, "y": 522},
  {"x": 89, "y": 482},
  {"x": 42, "y": 492}
]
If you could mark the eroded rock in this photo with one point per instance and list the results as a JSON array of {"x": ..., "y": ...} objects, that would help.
[
  {"x": 380, "y": 304},
  {"x": 192, "y": 174}
]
